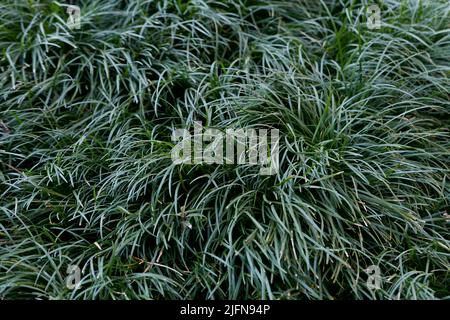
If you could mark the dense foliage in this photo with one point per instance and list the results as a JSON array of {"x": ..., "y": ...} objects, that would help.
[{"x": 86, "y": 176}]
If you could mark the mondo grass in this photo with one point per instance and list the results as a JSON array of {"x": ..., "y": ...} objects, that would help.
[{"x": 87, "y": 180}]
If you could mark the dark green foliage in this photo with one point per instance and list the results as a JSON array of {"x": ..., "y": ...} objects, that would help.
[{"x": 86, "y": 176}]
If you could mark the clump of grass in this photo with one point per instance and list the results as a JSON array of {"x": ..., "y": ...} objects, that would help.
[{"x": 86, "y": 176}]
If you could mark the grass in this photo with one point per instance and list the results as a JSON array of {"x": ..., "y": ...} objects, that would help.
[{"x": 86, "y": 176}]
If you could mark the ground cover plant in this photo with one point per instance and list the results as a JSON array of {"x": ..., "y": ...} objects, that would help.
[{"x": 87, "y": 179}]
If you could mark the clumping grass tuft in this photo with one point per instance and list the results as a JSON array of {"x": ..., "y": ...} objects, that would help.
[{"x": 86, "y": 176}]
